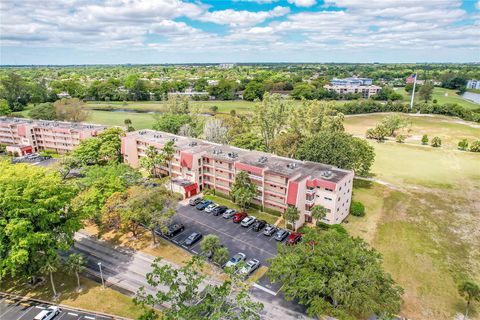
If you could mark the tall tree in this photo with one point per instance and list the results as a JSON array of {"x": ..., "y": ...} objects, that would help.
[
  {"x": 50, "y": 267},
  {"x": 270, "y": 117},
  {"x": 76, "y": 264},
  {"x": 215, "y": 131},
  {"x": 426, "y": 91},
  {"x": 36, "y": 219},
  {"x": 342, "y": 277},
  {"x": 44, "y": 111},
  {"x": 338, "y": 149},
  {"x": 152, "y": 161},
  {"x": 470, "y": 291},
  {"x": 184, "y": 291},
  {"x": 318, "y": 212},
  {"x": 292, "y": 215},
  {"x": 243, "y": 190},
  {"x": 72, "y": 110},
  {"x": 14, "y": 91},
  {"x": 4, "y": 108}
]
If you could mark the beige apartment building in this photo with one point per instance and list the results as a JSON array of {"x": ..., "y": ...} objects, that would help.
[
  {"x": 366, "y": 90},
  {"x": 61, "y": 137},
  {"x": 281, "y": 182}
]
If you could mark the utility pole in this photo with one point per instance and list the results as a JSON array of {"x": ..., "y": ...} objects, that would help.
[
  {"x": 413, "y": 91},
  {"x": 101, "y": 274}
]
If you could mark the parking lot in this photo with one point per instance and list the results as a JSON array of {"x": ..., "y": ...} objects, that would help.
[
  {"x": 233, "y": 236},
  {"x": 15, "y": 308}
]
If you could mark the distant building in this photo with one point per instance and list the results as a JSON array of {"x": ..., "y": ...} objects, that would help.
[
  {"x": 212, "y": 82},
  {"x": 226, "y": 65},
  {"x": 62, "y": 95},
  {"x": 351, "y": 82},
  {"x": 473, "y": 84}
]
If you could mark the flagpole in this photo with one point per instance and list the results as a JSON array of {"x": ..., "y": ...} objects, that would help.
[{"x": 413, "y": 92}]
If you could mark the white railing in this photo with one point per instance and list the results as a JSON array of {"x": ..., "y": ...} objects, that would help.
[
  {"x": 254, "y": 177},
  {"x": 310, "y": 201}
]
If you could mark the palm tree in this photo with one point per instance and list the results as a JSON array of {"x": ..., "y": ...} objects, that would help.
[
  {"x": 318, "y": 212},
  {"x": 470, "y": 291},
  {"x": 292, "y": 215},
  {"x": 50, "y": 267},
  {"x": 167, "y": 152},
  {"x": 76, "y": 264}
]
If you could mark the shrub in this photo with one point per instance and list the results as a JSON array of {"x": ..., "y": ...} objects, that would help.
[
  {"x": 463, "y": 145},
  {"x": 357, "y": 209},
  {"x": 475, "y": 146},
  {"x": 436, "y": 142},
  {"x": 425, "y": 140},
  {"x": 400, "y": 138},
  {"x": 272, "y": 212}
]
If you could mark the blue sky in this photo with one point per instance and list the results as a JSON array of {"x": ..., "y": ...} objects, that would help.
[{"x": 176, "y": 31}]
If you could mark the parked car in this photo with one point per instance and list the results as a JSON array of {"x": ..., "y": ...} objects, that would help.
[
  {"x": 239, "y": 216},
  {"x": 172, "y": 230},
  {"x": 48, "y": 313},
  {"x": 258, "y": 225},
  {"x": 219, "y": 210},
  {"x": 248, "y": 221},
  {"x": 194, "y": 201},
  {"x": 293, "y": 238},
  {"x": 202, "y": 205},
  {"x": 229, "y": 213},
  {"x": 236, "y": 259},
  {"x": 269, "y": 230},
  {"x": 281, "y": 234},
  {"x": 192, "y": 239},
  {"x": 250, "y": 267},
  {"x": 210, "y": 207}
]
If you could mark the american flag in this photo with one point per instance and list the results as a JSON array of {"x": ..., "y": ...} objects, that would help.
[{"x": 411, "y": 79}]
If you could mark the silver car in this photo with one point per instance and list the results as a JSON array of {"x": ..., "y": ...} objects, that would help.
[
  {"x": 248, "y": 221},
  {"x": 229, "y": 213},
  {"x": 235, "y": 260},
  {"x": 210, "y": 208},
  {"x": 250, "y": 267},
  {"x": 48, "y": 314}
]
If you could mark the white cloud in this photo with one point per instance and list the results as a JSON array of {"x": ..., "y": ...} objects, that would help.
[
  {"x": 302, "y": 3},
  {"x": 242, "y": 18}
]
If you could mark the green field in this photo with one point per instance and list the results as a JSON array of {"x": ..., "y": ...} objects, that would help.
[
  {"x": 139, "y": 120},
  {"x": 443, "y": 96},
  {"x": 425, "y": 223},
  {"x": 450, "y": 130}
]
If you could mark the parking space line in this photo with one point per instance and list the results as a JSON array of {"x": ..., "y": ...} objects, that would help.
[
  {"x": 61, "y": 316},
  {"x": 39, "y": 307},
  {"x": 225, "y": 234},
  {"x": 24, "y": 313},
  {"x": 88, "y": 317},
  {"x": 72, "y": 314}
]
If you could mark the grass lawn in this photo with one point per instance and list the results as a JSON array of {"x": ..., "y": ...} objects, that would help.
[
  {"x": 251, "y": 211},
  {"x": 93, "y": 296},
  {"x": 429, "y": 240},
  {"x": 449, "y": 129},
  {"x": 139, "y": 120},
  {"x": 442, "y": 96}
]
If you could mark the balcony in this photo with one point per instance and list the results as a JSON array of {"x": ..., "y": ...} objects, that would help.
[
  {"x": 255, "y": 177},
  {"x": 310, "y": 202},
  {"x": 311, "y": 191}
]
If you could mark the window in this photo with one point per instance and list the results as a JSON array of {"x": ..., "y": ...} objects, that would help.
[
  {"x": 327, "y": 189},
  {"x": 327, "y": 198}
]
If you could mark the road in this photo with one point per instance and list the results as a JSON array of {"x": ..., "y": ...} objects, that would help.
[
  {"x": 125, "y": 270},
  {"x": 15, "y": 308}
]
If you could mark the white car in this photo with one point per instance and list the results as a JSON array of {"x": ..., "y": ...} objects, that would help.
[
  {"x": 235, "y": 260},
  {"x": 211, "y": 207},
  {"x": 248, "y": 221},
  {"x": 48, "y": 313},
  {"x": 229, "y": 213},
  {"x": 250, "y": 267}
]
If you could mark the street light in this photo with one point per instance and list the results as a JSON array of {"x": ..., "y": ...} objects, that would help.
[{"x": 101, "y": 274}]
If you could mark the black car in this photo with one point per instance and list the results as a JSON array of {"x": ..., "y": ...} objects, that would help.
[
  {"x": 269, "y": 230},
  {"x": 193, "y": 202},
  {"x": 192, "y": 239},
  {"x": 174, "y": 229},
  {"x": 258, "y": 225},
  {"x": 281, "y": 234},
  {"x": 219, "y": 210}
]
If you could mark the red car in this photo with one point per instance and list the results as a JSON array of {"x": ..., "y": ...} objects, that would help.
[
  {"x": 293, "y": 238},
  {"x": 239, "y": 216}
]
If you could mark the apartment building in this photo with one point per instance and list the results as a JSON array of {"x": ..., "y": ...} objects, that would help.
[
  {"x": 354, "y": 86},
  {"x": 39, "y": 135},
  {"x": 473, "y": 84},
  {"x": 281, "y": 182}
]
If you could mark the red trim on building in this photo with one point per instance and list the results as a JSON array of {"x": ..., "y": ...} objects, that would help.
[
  {"x": 292, "y": 193},
  {"x": 321, "y": 183},
  {"x": 186, "y": 160},
  {"x": 245, "y": 167},
  {"x": 22, "y": 131}
]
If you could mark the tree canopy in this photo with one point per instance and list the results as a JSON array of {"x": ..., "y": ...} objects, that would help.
[{"x": 334, "y": 274}]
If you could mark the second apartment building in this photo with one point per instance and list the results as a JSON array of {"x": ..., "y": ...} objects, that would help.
[{"x": 281, "y": 182}]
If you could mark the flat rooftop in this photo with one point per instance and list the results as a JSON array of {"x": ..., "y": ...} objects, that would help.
[
  {"x": 288, "y": 167},
  {"x": 54, "y": 124}
]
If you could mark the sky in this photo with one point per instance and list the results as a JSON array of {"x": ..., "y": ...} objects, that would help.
[{"x": 210, "y": 31}]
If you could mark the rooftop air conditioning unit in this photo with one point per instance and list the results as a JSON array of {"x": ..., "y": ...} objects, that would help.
[
  {"x": 262, "y": 159},
  {"x": 193, "y": 143},
  {"x": 292, "y": 165}
]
